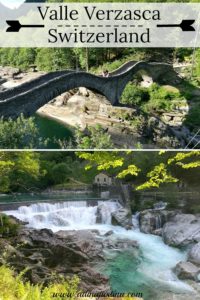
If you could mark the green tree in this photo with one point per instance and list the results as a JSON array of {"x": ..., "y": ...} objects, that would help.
[
  {"x": 19, "y": 171},
  {"x": 12, "y": 57},
  {"x": 197, "y": 63},
  {"x": 92, "y": 138},
  {"x": 125, "y": 165},
  {"x": 20, "y": 134},
  {"x": 60, "y": 172},
  {"x": 26, "y": 171},
  {"x": 52, "y": 59},
  {"x": 96, "y": 138},
  {"x": 4, "y": 57},
  {"x": 26, "y": 57},
  {"x": 6, "y": 166},
  {"x": 134, "y": 95}
]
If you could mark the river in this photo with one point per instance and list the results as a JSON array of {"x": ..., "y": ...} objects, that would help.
[
  {"x": 150, "y": 272},
  {"x": 55, "y": 130},
  {"x": 52, "y": 130}
]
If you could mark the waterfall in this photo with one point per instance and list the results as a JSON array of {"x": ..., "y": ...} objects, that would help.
[
  {"x": 64, "y": 215},
  {"x": 105, "y": 209},
  {"x": 156, "y": 259},
  {"x": 158, "y": 222},
  {"x": 135, "y": 220}
]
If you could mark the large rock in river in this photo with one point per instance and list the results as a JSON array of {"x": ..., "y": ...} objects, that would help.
[
  {"x": 122, "y": 217},
  {"x": 151, "y": 220},
  {"x": 187, "y": 270},
  {"x": 182, "y": 230},
  {"x": 194, "y": 254}
]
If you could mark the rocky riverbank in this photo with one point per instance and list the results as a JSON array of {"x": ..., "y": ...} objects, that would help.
[
  {"x": 84, "y": 252},
  {"x": 127, "y": 126},
  {"x": 177, "y": 230},
  {"x": 47, "y": 255}
]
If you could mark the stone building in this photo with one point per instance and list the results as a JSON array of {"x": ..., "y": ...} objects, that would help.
[{"x": 103, "y": 179}]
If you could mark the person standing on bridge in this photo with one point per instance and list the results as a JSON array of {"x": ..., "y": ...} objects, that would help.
[{"x": 105, "y": 73}]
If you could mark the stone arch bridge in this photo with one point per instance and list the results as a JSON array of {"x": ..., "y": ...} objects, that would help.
[{"x": 30, "y": 96}]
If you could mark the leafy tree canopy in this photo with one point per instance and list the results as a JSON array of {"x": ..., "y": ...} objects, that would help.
[
  {"x": 21, "y": 133},
  {"x": 125, "y": 164},
  {"x": 18, "y": 170}
]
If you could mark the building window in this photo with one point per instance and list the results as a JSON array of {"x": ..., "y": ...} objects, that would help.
[{"x": 104, "y": 179}]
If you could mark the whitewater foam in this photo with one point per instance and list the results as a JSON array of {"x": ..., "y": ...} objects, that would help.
[
  {"x": 158, "y": 259},
  {"x": 65, "y": 215}
]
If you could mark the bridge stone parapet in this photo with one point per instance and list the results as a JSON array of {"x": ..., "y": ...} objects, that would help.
[
  {"x": 13, "y": 92},
  {"x": 30, "y": 96}
]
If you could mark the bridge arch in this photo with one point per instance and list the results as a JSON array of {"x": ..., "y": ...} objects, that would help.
[{"x": 30, "y": 96}]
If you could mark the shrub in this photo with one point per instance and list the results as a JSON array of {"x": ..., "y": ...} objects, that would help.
[
  {"x": 14, "y": 288},
  {"x": 110, "y": 66},
  {"x": 161, "y": 99},
  {"x": 93, "y": 138},
  {"x": 60, "y": 173},
  {"x": 21, "y": 133},
  {"x": 192, "y": 119},
  {"x": 195, "y": 209},
  {"x": 156, "y": 98},
  {"x": 134, "y": 95},
  {"x": 7, "y": 226}
]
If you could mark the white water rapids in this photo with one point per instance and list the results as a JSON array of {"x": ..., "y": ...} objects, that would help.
[
  {"x": 158, "y": 259},
  {"x": 69, "y": 215}
]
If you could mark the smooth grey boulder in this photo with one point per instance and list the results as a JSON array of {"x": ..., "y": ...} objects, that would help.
[
  {"x": 152, "y": 221},
  {"x": 187, "y": 270},
  {"x": 182, "y": 230},
  {"x": 194, "y": 254},
  {"x": 122, "y": 217}
]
